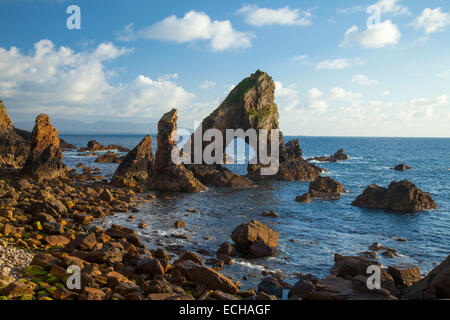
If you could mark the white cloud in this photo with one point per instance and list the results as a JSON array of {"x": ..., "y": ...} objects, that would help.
[
  {"x": 61, "y": 82},
  {"x": 392, "y": 6},
  {"x": 256, "y": 16},
  {"x": 387, "y": 92},
  {"x": 338, "y": 64},
  {"x": 288, "y": 96},
  {"x": 194, "y": 26},
  {"x": 339, "y": 94},
  {"x": 300, "y": 58},
  {"x": 207, "y": 84},
  {"x": 377, "y": 36},
  {"x": 363, "y": 80},
  {"x": 444, "y": 74},
  {"x": 432, "y": 20}
]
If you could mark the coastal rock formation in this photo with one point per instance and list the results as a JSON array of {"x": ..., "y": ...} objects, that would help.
[
  {"x": 401, "y": 196},
  {"x": 218, "y": 176},
  {"x": 45, "y": 156},
  {"x": 338, "y": 156},
  {"x": 255, "y": 238},
  {"x": 94, "y": 145},
  {"x": 405, "y": 274},
  {"x": 26, "y": 135},
  {"x": 322, "y": 188},
  {"x": 250, "y": 105},
  {"x": 436, "y": 285},
  {"x": 109, "y": 157},
  {"x": 402, "y": 167},
  {"x": 167, "y": 175},
  {"x": 13, "y": 149},
  {"x": 136, "y": 167}
]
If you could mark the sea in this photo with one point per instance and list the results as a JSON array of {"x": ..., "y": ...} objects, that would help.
[{"x": 309, "y": 234}]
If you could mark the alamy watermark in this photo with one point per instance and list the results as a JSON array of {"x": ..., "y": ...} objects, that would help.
[
  {"x": 374, "y": 281},
  {"x": 73, "y": 22}
]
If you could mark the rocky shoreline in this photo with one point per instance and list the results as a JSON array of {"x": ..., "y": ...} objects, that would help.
[{"x": 47, "y": 214}]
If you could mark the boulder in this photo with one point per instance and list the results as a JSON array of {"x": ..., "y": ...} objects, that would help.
[
  {"x": 405, "y": 274},
  {"x": 205, "y": 277},
  {"x": 302, "y": 289},
  {"x": 149, "y": 266},
  {"x": 218, "y": 176},
  {"x": 109, "y": 157},
  {"x": 167, "y": 175},
  {"x": 136, "y": 167},
  {"x": 436, "y": 285},
  {"x": 45, "y": 158},
  {"x": 119, "y": 232},
  {"x": 401, "y": 196},
  {"x": 255, "y": 238},
  {"x": 271, "y": 286},
  {"x": 13, "y": 148},
  {"x": 94, "y": 145},
  {"x": 325, "y": 188},
  {"x": 402, "y": 167},
  {"x": 304, "y": 198}
]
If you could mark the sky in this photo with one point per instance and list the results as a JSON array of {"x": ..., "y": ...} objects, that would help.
[{"x": 341, "y": 68}]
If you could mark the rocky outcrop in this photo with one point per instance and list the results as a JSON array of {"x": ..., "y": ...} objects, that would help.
[
  {"x": 13, "y": 148},
  {"x": 250, "y": 105},
  {"x": 322, "y": 188},
  {"x": 136, "y": 168},
  {"x": 255, "y": 238},
  {"x": 402, "y": 167},
  {"x": 436, "y": 285},
  {"x": 109, "y": 157},
  {"x": 94, "y": 145},
  {"x": 45, "y": 156},
  {"x": 167, "y": 175},
  {"x": 26, "y": 135},
  {"x": 338, "y": 156},
  {"x": 401, "y": 196},
  {"x": 218, "y": 176}
]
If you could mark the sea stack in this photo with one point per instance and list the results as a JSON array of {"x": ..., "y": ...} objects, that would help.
[
  {"x": 13, "y": 148},
  {"x": 45, "y": 157},
  {"x": 167, "y": 175},
  {"x": 403, "y": 196},
  {"x": 136, "y": 168}
]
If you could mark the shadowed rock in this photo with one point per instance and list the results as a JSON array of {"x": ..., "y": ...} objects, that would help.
[
  {"x": 109, "y": 157},
  {"x": 255, "y": 238},
  {"x": 45, "y": 157},
  {"x": 167, "y": 175},
  {"x": 338, "y": 156},
  {"x": 136, "y": 167},
  {"x": 13, "y": 148},
  {"x": 401, "y": 196},
  {"x": 402, "y": 167},
  {"x": 218, "y": 176},
  {"x": 94, "y": 145}
]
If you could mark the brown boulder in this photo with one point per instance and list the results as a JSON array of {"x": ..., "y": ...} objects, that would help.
[
  {"x": 119, "y": 232},
  {"x": 56, "y": 240},
  {"x": 136, "y": 167},
  {"x": 246, "y": 234},
  {"x": 304, "y": 198},
  {"x": 218, "y": 176},
  {"x": 338, "y": 156},
  {"x": 167, "y": 175},
  {"x": 325, "y": 188},
  {"x": 207, "y": 278},
  {"x": 436, "y": 285},
  {"x": 109, "y": 157},
  {"x": 402, "y": 167},
  {"x": 45, "y": 157},
  {"x": 405, "y": 274},
  {"x": 401, "y": 196}
]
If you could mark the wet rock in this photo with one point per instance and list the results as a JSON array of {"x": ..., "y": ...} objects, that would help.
[
  {"x": 167, "y": 175},
  {"x": 271, "y": 286},
  {"x": 136, "y": 168},
  {"x": 436, "y": 285},
  {"x": 304, "y": 198},
  {"x": 325, "y": 188},
  {"x": 218, "y": 176},
  {"x": 94, "y": 145},
  {"x": 45, "y": 157},
  {"x": 205, "y": 277},
  {"x": 149, "y": 266},
  {"x": 402, "y": 167},
  {"x": 271, "y": 214},
  {"x": 13, "y": 148},
  {"x": 246, "y": 234},
  {"x": 401, "y": 196},
  {"x": 119, "y": 232},
  {"x": 109, "y": 157},
  {"x": 179, "y": 224},
  {"x": 302, "y": 289},
  {"x": 191, "y": 256},
  {"x": 405, "y": 274},
  {"x": 18, "y": 289},
  {"x": 260, "y": 249},
  {"x": 338, "y": 156}
]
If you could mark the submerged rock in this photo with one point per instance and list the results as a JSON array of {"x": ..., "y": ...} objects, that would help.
[
  {"x": 13, "y": 148},
  {"x": 401, "y": 196},
  {"x": 402, "y": 167},
  {"x": 167, "y": 175},
  {"x": 338, "y": 156},
  {"x": 255, "y": 238},
  {"x": 136, "y": 167},
  {"x": 45, "y": 157}
]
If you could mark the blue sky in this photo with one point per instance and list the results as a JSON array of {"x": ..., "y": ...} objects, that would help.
[{"x": 134, "y": 60}]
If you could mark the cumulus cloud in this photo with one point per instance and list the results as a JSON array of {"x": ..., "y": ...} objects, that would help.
[
  {"x": 65, "y": 83},
  {"x": 258, "y": 17},
  {"x": 432, "y": 20},
  {"x": 288, "y": 97},
  {"x": 392, "y": 6},
  {"x": 363, "y": 80},
  {"x": 338, "y": 64},
  {"x": 300, "y": 58},
  {"x": 377, "y": 36},
  {"x": 194, "y": 26},
  {"x": 340, "y": 94}
]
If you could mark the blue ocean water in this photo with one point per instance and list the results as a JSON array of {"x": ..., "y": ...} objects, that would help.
[{"x": 319, "y": 229}]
